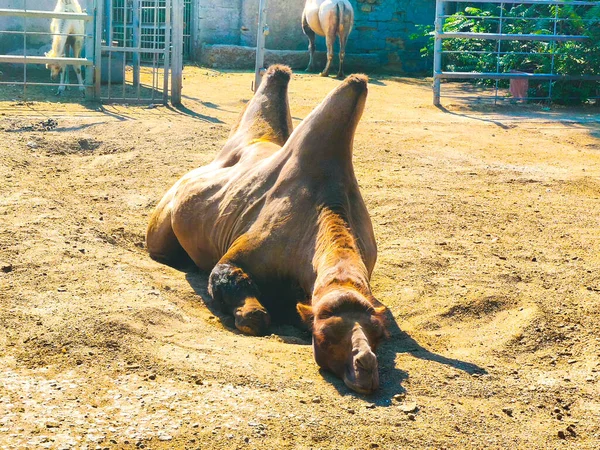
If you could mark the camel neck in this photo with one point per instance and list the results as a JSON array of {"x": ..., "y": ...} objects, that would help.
[{"x": 337, "y": 261}]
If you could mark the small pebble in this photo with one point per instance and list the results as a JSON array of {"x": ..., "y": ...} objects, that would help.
[
  {"x": 6, "y": 267},
  {"x": 408, "y": 407},
  {"x": 507, "y": 411},
  {"x": 561, "y": 434}
]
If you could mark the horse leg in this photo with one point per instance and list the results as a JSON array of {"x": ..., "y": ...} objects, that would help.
[
  {"x": 235, "y": 289},
  {"x": 77, "y": 67},
  {"x": 310, "y": 34},
  {"x": 61, "y": 86},
  {"x": 343, "y": 39},
  {"x": 329, "y": 41}
]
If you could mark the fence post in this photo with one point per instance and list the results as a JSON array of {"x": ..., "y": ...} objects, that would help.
[
  {"x": 99, "y": 16},
  {"x": 261, "y": 32},
  {"x": 437, "y": 51},
  {"x": 177, "y": 61}
]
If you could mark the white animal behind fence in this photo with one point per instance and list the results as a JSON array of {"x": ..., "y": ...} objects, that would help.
[
  {"x": 68, "y": 35},
  {"x": 329, "y": 18}
]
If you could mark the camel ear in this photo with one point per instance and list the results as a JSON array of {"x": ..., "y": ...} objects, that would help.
[
  {"x": 306, "y": 314},
  {"x": 380, "y": 310}
]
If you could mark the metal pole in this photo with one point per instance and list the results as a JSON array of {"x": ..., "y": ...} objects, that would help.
[
  {"x": 437, "y": 51},
  {"x": 261, "y": 32},
  {"x": 177, "y": 61},
  {"x": 136, "y": 30},
  {"x": 89, "y": 53},
  {"x": 167, "y": 48}
]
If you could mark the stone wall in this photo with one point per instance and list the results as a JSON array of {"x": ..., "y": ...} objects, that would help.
[
  {"x": 385, "y": 26},
  {"x": 382, "y": 28}
]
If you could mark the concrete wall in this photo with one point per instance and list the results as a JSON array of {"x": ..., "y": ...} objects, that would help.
[
  {"x": 36, "y": 45},
  {"x": 382, "y": 27}
]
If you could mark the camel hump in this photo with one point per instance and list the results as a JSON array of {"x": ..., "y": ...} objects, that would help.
[
  {"x": 279, "y": 72},
  {"x": 266, "y": 117},
  {"x": 328, "y": 131}
]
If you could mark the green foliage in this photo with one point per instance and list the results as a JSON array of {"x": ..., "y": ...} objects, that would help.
[{"x": 566, "y": 58}]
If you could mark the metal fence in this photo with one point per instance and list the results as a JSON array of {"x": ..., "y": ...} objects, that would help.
[
  {"x": 499, "y": 72},
  {"x": 25, "y": 60},
  {"x": 131, "y": 54}
]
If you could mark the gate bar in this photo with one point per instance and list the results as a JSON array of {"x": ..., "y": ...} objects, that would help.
[
  {"x": 45, "y": 14},
  {"x": 17, "y": 59}
]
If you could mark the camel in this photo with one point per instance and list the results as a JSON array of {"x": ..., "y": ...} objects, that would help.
[
  {"x": 280, "y": 212},
  {"x": 329, "y": 18},
  {"x": 68, "y": 34}
]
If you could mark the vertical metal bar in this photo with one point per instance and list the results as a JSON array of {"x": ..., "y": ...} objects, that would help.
[
  {"x": 167, "y": 48},
  {"x": 25, "y": 51},
  {"x": 553, "y": 47},
  {"x": 136, "y": 30},
  {"x": 89, "y": 53},
  {"x": 437, "y": 52},
  {"x": 498, "y": 49},
  {"x": 124, "y": 75},
  {"x": 177, "y": 62},
  {"x": 109, "y": 45},
  {"x": 98, "y": 49},
  {"x": 260, "y": 43}
]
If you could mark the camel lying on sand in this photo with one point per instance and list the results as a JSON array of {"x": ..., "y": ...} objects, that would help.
[{"x": 279, "y": 221}]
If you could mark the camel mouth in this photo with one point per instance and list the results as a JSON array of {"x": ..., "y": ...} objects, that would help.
[{"x": 366, "y": 383}]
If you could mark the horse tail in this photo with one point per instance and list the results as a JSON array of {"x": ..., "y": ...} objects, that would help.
[{"x": 341, "y": 9}]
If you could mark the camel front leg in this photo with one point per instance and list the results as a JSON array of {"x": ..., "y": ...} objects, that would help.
[
  {"x": 329, "y": 41},
  {"x": 310, "y": 34},
  {"x": 236, "y": 291}
]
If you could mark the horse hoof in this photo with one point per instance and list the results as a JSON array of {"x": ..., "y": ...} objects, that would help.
[
  {"x": 324, "y": 74},
  {"x": 340, "y": 76}
]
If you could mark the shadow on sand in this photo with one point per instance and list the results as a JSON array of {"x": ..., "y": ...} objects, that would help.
[{"x": 391, "y": 377}]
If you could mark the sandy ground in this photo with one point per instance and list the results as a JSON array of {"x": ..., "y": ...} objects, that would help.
[{"x": 488, "y": 226}]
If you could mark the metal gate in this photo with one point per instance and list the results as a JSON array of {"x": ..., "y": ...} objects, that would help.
[
  {"x": 551, "y": 40},
  {"x": 135, "y": 40},
  {"x": 133, "y": 50}
]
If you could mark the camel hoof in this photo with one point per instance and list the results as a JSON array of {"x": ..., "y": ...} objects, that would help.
[{"x": 252, "y": 320}]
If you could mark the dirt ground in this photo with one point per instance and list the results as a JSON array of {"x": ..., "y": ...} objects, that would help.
[{"x": 488, "y": 226}]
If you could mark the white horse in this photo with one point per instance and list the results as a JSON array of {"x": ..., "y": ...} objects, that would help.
[
  {"x": 68, "y": 34},
  {"x": 329, "y": 18}
]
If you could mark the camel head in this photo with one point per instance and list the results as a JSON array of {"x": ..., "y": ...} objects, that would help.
[
  {"x": 346, "y": 331},
  {"x": 55, "y": 69}
]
